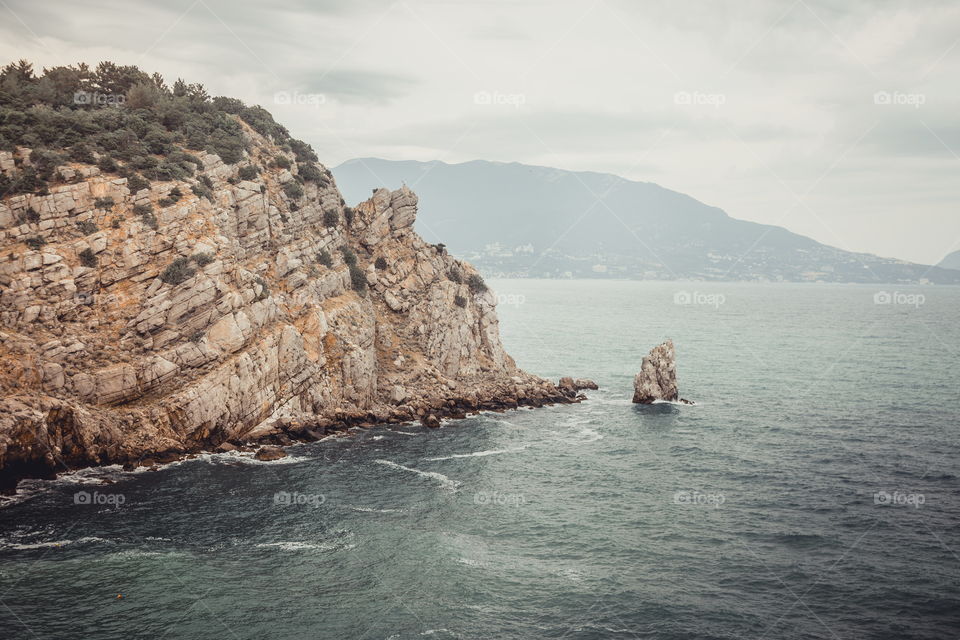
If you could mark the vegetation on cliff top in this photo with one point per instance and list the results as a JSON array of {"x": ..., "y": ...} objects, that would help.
[{"x": 126, "y": 121}]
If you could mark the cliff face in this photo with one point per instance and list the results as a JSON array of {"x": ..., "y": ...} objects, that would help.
[{"x": 219, "y": 316}]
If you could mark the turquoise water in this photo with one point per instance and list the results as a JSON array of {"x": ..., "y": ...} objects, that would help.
[{"x": 811, "y": 493}]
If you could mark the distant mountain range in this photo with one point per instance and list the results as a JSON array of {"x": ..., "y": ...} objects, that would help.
[
  {"x": 518, "y": 220},
  {"x": 952, "y": 261}
]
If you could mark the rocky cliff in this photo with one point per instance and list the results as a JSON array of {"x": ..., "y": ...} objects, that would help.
[{"x": 218, "y": 309}]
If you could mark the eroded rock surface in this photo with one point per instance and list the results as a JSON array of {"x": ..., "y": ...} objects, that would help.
[
  {"x": 657, "y": 379},
  {"x": 105, "y": 358}
]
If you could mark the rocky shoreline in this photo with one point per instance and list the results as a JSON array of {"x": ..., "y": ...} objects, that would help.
[
  {"x": 248, "y": 303},
  {"x": 268, "y": 440}
]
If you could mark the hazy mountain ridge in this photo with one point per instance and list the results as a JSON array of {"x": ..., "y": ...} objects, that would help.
[
  {"x": 950, "y": 261},
  {"x": 522, "y": 220}
]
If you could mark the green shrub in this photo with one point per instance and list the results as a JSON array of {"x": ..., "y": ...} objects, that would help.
[
  {"x": 380, "y": 263},
  {"x": 325, "y": 258},
  {"x": 175, "y": 194},
  {"x": 87, "y": 227},
  {"x": 27, "y": 181},
  {"x": 145, "y": 211},
  {"x": 248, "y": 172},
  {"x": 460, "y": 301},
  {"x": 202, "y": 259},
  {"x": 330, "y": 218},
  {"x": 348, "y": 215},
  {"x": 107, "y": 164},
  {"x": 178, "y": 271},
  {"x": 136, "y": 183},
  {"x": 202, "y": 192},
  {"x": 348, "y": 255},
  {"x": 455, "y": 276},
  {"x": 293, "y": 190},
  {"x": 82, "y": 153},
  {"x": 45, "y": 162},
  {"x": 103, "y": 203},
  {"x": 166, "y": 202},
  {"x": 309, "y": 171},
  {"x": 476, "y": 284},
  {"x": 358, "y": 280},
  {"x": 88, "y": 258},
  {"x": 35, "y": 242},
  {"x": 31, "y": 215},
  {"x": 281, "y": 161},
  {"x": 303, "y": 151}
]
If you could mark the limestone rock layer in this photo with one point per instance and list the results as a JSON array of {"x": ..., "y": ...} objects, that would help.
[{"x": 124, "y": 333}]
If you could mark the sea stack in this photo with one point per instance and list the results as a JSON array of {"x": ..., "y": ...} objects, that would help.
[{"x": 657, "y": 379}]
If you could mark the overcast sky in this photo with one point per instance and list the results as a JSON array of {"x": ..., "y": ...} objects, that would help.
[{"x": 769, "y": 110}]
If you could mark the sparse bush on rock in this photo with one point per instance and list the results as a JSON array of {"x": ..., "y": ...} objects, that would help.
[
  {"x": 476, "y": 284},
  {"x": 88, "y": 258},
  {"x": 178, "y": 271},
  {"x": 293, "y": 190},
  {"x": 202, "y": 259}
]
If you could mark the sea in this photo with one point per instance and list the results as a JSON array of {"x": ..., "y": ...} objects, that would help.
[{"x": 811, "y": 492}]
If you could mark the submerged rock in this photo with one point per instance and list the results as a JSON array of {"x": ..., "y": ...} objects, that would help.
[
  {"x": 269, "y": 452},
  {"x": 570, "y": 386},
  {"x": 657, "y": 379}
]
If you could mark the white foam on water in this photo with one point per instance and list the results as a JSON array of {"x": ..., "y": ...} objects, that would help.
[
  {"x": 478, "y": 454},
  {"x": 675, "y": 403},
  {"x": 405, "y": 433},
  {"x": 246, "y": 457},
  {"x": 295, "y": 545},
  {"x": 590, "y": 435},
  {"x": 445, "y": 482},
  {"x": 371, "y": 510},
  {"x": 470, "y": 562},
  {"x": 48, "y": 544}
]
